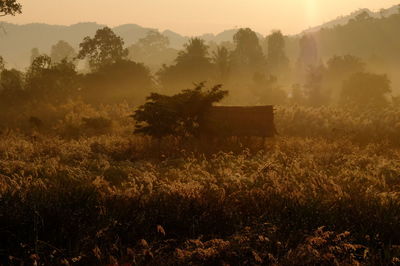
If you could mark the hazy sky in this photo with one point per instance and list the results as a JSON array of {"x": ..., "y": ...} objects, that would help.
[{"x": 192, "y": 17}]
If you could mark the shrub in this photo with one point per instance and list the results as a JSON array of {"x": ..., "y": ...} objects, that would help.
[{"x": 177, "y": 115}]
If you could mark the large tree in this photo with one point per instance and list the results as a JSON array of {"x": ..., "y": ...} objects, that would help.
[
  {"x": 248, "y": 52},
  {"x": 10, "y": 7},
  {"x": 177, "y": 115},
  {"x": 366, "y": 89},
  {"x": 221, "y": 61},
  {"x": 47, "y": 81},
  {"x": 2, "y": 64},
  {"x": 192, "y": 65},
  {"x": 308, "y": 56},
  {"x": 62, "y": 50},
  {"x": 153, "y": 50},
  {"x": 276, "y": 57},
  {"x": 103, "y": 49},
  {"x": 340, "y": 68},
  {"x": 123, "y": 80}
]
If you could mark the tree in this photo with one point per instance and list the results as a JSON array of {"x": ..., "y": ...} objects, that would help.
[
  {"x": 315, "y": 93},
  {"x": 340, "y": 68},
  {"x": 248, "y": 52},
  {"x": 222, "y": 63},
  {"x": 2, "y": 64},
  {"x": 34, "y": 54},
  {"x": 62, "y": 51},
  {"x": 308, "y": 56},
  {"x": 123, "y": 80},
  {"x": 10, "y": 7},
  {"x": 46, "y": 81},
  {"x": 154, "y": 41},
  {"x": 266, "y": 89},
  {"x": 191, "y": 66},
  {"x": 177, "y": 115},
  {"x": 11, "y": 80},
  {"x": 153, "y": 50},
  {"x": 11, "y": 88},
  {"x": 366, "y": 89},
  {"x": 276, "y": 57},
  {"x": 104, "y": 49}
]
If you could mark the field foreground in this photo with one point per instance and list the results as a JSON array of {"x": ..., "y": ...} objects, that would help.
[{"x": 304, "y": 201}]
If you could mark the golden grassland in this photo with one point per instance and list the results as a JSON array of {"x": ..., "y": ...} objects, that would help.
[{"x": 326, "y": 191}]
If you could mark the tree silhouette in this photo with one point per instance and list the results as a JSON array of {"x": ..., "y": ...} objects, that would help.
[
  {"x": 366, "y": 89},
  {"x": 103, "y": 49},
  {"x": 340, "y": 68},
  {"x": 153, "y": 50},
  {"x": 191, "y": 66},
  {"x": 1, "y": 63},
  {"x": 178, "y": 115},
  {"x": 10, "y": 7},
  {"x": 11, "y": 80},
  {"x": 123, "y": 80},
  {"x": 221, "y": 61},
  {"x": 248, "y": 52},
  {"x": 62, "y": 50},
  {"x": 46, "y": 81},
  {"x": 34, "y": 54},
  {"x": 308, "y": 56},
  {"x": 315, "y": 93},
  {"x": 276, "y": 57}
]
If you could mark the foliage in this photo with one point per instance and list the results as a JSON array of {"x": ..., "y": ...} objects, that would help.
[
  {"x": 248, "y": 52},
  {"x": 267, "y": 91},
  {"x": 276, "y": 57},
  {"x": 309, "y": 54},
  {"x": 10, "y": 7},
  {"x": 314, "y": 86},
  {"x": 177, "y": 115},
  {"x": 153, "y": 50},
  {"x": 1, "y": 63},
  {"x": 222, "y": 63},
  {"x": 48, "y": 81},
  {"x": 192, "y": 65},
  {"x": 366, "y": 89},
  {"x": 103, "y": 49},
  {"x": 62, "y": 51},
  {"x": 122, "y": 80}
]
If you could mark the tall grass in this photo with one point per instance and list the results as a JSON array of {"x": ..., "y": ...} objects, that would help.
[{"x": 326, "y": 191}]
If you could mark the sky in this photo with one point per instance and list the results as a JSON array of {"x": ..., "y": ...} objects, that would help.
[{"x": 195, "y": 17}]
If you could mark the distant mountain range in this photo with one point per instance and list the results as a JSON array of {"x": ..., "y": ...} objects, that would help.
[
  {"x": 16, "y": 41},
  {"x": 343, "y": 20}
]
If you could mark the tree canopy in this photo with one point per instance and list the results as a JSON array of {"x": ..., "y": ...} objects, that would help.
[
  {"x": 62, "y": 50},
  {"x": 248, "y": 52},
  {"x": 191, "y": 66},
  {"x": 10, "y": 7},
  {"x": 366, "y": 89},
  {"x": 178, "y": 115},
  {"x": 103, "y": 49},
  {"x": 123, "y": 80},
  {"x": 276, "y": 57}
]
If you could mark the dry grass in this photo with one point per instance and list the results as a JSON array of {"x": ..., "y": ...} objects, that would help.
[{"x": 316, "y": 196}]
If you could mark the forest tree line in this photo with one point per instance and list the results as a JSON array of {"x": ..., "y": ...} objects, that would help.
[{"x": 254, "y": 70}]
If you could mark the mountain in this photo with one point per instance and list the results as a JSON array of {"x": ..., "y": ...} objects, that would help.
[
  {"x": 343, "y": 20},
  {"x": 16, "y": 41}
]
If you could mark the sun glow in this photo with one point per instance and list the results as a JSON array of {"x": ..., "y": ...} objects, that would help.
[{"x": 311, "y": 11}]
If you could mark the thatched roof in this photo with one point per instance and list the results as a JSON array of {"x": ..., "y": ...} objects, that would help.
[{"x": 239, "y": 121}]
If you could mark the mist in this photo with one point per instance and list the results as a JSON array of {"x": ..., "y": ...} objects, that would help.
[{"x": 269, "y": 140}]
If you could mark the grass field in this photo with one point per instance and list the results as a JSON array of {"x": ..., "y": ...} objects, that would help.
[{"x": 326, "y": 191}]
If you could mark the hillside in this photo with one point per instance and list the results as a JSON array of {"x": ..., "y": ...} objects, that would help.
[
  {"x": 343, "y": 20},
  {"x": 376, "y": 39}
]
